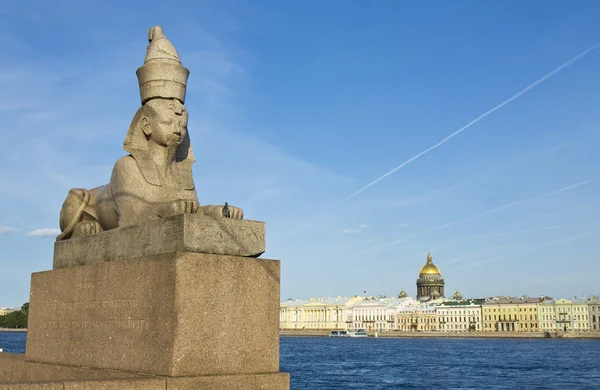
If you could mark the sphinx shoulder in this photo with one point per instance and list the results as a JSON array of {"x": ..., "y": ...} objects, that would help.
[
  {"x": 126, "y": 166},
  {"x": 125, "y": 172},
  {"x": 126, "y": 163}
]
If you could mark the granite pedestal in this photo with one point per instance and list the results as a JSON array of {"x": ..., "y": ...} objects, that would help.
[{"x": 186, "y": 318}]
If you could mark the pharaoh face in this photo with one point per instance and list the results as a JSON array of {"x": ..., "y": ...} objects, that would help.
[{"x": 167, "y": 126}]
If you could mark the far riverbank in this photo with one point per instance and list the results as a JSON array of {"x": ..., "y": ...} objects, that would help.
[{"x": 528, "y": 335}]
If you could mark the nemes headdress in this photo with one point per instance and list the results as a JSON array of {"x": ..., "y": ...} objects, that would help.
[{"x": 162, "y": 75}]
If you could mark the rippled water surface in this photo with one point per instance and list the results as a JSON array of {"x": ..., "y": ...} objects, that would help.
[
  {"x": 13, "y": 341},
  {"x": 379, "y": 363}
]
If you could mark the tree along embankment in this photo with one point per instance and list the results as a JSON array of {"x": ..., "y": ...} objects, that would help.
[{"x": 15, "y": 319}]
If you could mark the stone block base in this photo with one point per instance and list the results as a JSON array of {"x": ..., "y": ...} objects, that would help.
[
  {"x": 175, "y": 314},
  {"x": 14, "y": 368},
  {"x": 16, "y": 374},
  {"x": 180, "y": 233}
]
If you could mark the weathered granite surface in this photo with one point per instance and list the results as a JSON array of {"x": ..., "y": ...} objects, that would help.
[
  {"x": 180, "y": 233},
  {"x": 33, "y": 386},
  {"x": 175, "y": 314},
  {"x": 129, "y": 384},
  {"x": 279, "y": 381},
  {"x": 14, "y": 368},
  {"x": 16, "y": 373}
]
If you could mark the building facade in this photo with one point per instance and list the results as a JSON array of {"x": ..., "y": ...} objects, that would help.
[
  {"x": 511, "y": 314},
  {"x": 565, "y": 315},
  {"x": 581, "y": 317},
  {"x": 594, "y": 314},
  {"x": 548, "y": 316},
  {"x": 460, "y": 315},
  {"x": 319, "y": 313},
  {"x": 430, "y": 284},
  {"x": 375, "y": 314},
  {"x": 418, "y": 317}
]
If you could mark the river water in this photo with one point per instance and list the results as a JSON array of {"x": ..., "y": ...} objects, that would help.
[{"x": 427, "y": 363}]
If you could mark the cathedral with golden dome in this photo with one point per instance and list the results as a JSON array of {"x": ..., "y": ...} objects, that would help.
[{"x": 430, "y": 284}]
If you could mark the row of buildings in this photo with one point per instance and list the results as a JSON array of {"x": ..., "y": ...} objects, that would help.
[
  {"x": 498, "y": 314},
  {"x": 432, "y": 312}
]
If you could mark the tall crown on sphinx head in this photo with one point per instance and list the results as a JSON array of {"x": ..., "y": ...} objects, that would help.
[{"x": 162, "y": 75}]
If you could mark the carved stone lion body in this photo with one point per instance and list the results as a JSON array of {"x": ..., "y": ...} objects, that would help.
[{"x": 153, "y": 181}]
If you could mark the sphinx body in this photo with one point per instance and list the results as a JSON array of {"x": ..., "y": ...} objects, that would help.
[{"x": 155, "y": 179}]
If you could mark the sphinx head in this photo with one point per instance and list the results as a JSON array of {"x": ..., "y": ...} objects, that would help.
[{"x": 162, "y": 122}]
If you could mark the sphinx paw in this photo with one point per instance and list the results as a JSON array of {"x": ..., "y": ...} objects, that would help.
[
  {"x": 183, "y": 206},
  {"x": 235, "y": 212},
  {"x": 86, "y": 228},
  {"x": 219, "y": 212}
]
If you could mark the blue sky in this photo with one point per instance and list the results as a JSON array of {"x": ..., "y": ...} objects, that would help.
[{"x": 295, "y": 106}]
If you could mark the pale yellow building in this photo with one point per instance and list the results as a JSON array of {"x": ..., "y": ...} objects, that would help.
[
  {"x": 564, "y": 315},
  {"x": 315, "y": 313},
  {"x": 511, "y": 314},
  {"x": 581, "y": 317}
]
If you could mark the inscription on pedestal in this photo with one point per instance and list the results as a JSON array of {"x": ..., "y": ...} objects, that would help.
[{"x": 163, "y": 314}]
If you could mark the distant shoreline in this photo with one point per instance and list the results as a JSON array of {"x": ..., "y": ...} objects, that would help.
[
  {"x": 474, "y": 335},
  {"x": 12, "y": 330}
]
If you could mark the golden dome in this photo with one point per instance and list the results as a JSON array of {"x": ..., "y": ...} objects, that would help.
[{"x": 429, "y": 268}]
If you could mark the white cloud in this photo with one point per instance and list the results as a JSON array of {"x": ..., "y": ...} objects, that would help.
[
  {"x": 44, "y": 233},
  {"x": 6, "y": 230},
  {"x": 355, "y": 231},
  {"x": 403, "y": 225}
]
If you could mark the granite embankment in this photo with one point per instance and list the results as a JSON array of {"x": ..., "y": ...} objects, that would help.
[
  {"x": 12, "y": 330},
  {"x": 579, "y": 335}
]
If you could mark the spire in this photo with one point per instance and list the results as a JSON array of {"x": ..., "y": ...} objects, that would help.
[{"x": 429, "y": 258}]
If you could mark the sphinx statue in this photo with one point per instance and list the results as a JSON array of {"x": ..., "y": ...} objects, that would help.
[{"x": 155, "y": 179}]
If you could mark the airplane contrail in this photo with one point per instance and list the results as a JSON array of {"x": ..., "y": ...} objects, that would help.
[
  {"x": 488, "y": 212},
  {"x": 465, "y": 127}
]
